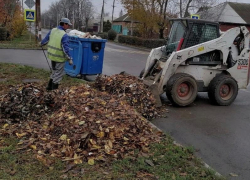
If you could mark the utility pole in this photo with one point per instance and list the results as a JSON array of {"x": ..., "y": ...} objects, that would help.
[
  {"x": 38, "y": 21},
  {"x": 44, "y": 21},
  {"x": 132, "y": 21},
  {"x": 113, "y": 10},
  {"x": 101, "y": 21}
]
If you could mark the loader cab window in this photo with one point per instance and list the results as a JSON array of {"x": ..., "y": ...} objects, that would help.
[
  {"x": 209, "y": 33},
  {"x": 176, "y": 33},
  {"x": 200, "y": 33}
]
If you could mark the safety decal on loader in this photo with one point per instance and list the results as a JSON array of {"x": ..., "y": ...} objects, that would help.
[
  {"x": 242, "y": 64},
  {"x": 201, "y": 48}
]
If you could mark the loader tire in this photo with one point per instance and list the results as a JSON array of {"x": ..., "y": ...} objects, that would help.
[
  {"x": 223, "y": 90},
  {"x": 181, "y": 89}
]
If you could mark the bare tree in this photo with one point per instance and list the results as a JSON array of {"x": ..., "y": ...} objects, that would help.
[
  {"x": 86, "y": 12},
  {"x": 121, "y": 13},
  {"x": 152, "y": 14},
  {"x": 192, "y": 6},
  {"x": 78, "y": 11},
  {"x": 163, "y": 14}
]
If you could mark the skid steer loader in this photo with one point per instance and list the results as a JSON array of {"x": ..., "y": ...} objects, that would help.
[{"x": 199, "y": 58}]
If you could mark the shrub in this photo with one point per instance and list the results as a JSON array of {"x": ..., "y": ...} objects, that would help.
[
  {"x": 3, "y": 33},
  {"x": 111, "y": 34},
  {"x": 106, "y": 26},
  {"x": 103, "y": 35},
  {"x": 136, "y": 33},
  {"x": 148, "y": 43}
]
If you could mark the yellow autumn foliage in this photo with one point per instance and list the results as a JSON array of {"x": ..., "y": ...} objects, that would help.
[
  {"x": 12, "y": 17},
  {"x": 149, "y": 14}
]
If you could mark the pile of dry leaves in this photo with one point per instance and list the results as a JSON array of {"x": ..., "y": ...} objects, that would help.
[
  {"x": 25, "y": 101},
  {"x": 77, "y": 124},
  {"x": 132, "y": 90}
]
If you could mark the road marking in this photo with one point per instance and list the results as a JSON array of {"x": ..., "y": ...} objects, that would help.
[{"x": 126, "y": 51}]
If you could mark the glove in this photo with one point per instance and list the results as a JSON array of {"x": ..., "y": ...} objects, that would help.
[{"x": 71, "y": 62}]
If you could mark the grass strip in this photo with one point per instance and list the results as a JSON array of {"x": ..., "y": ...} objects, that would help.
[
  {"x": 164, "y": 160},
  {"x": 26, "y": 41}
]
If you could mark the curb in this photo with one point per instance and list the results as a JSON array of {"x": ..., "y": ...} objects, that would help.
[
  {"x": 127, "y": 45},
  {"x": 22, "y": 48}
]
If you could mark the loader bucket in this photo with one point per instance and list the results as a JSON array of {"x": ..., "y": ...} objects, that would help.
[{"x": 153, "y": 88}]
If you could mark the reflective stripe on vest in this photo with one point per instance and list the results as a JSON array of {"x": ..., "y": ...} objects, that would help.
[{"x": 55, "y": 51}]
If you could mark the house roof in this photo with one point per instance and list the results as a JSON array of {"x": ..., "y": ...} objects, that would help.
[
  {"x": 212, "y": 14},
  {"x": 242, "y": 9},
  {"x": 124, "y": 18},
  {"x": 229, "y": 12}
]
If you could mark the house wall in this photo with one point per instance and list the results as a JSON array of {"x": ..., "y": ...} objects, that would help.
[
  {"x": 119, "y": 23},
  {"x": 225, "y": 27},
  {"x": 124, "y": 25}
]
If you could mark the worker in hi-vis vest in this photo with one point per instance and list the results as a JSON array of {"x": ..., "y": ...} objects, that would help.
[{"x": 58, "y": 52}]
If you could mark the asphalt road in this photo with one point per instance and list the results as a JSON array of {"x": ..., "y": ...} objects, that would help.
[{"x": 220, "y": 135}]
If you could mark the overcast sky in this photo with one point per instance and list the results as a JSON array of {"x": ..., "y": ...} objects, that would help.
[
  {"x": 108, "y": 5},
  {"x": 97, "y": 5}
]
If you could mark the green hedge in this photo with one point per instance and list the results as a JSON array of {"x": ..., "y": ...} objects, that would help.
[
  {"x": 112, "y": 34},
  {"x": 148, "y": 43},
  {"x": 3, "y": 33},
  {"x": 103, "y": 35}
]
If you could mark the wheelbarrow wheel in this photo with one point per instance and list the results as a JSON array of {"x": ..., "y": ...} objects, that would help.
[{"x": 90, "y": 78}]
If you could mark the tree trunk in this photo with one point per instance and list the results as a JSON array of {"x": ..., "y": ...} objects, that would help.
[
  {"x": 161, "y": 33},
  {"x": 162, "y": 26},
  {"x": 187, "y": 7},
  {"x": 86, "y": 28}
]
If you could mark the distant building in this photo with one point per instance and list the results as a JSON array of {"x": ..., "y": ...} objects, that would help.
[
  {"x": 228, "y": 15},
  {"x": 124, "y": 24},
  {"x": 94, "y": 24}
]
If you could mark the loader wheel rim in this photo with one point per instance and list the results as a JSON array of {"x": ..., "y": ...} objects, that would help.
[
  {"x": 226, "y": 91},
  {"x": 183, "y": 90}
]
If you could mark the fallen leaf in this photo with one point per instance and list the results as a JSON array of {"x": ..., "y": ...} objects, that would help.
[
  {"x": 33, "y": 147},
  {"x": 100, "y": 134},
  {"x": 91, "y": 162},
  {"x": 77, "y": 159},
  {"x": 63, "y": 137},
  {"x": 81, "y": 123},
  {"x": 233, "y": 175},
  {"x": 149, "y": 162},
  {"x": 20, "y": 135},
  {"x": 183, "y": 174},
  {"x": 5, "y": 126}
]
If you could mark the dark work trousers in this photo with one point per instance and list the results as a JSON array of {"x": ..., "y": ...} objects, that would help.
[{"x": 57, "y": 71}]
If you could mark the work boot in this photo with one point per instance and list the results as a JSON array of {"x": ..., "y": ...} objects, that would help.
[
  {"x": 54, "y": 86},
  {"x": 49, "y": 87}
]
